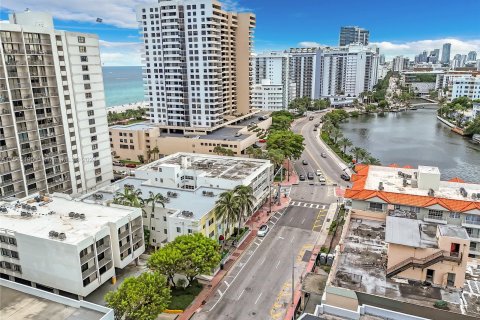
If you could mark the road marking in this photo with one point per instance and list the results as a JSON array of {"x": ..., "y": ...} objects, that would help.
[
  {"x": 220, "y": 292},
  {"x": 241, "y": 294},
  {"x": 278, "y": 263},
  {"x": 281, "y": 237},
  {"x": 291, "y": 241},
  {"x": 303, "y": 220},
  {"x": 306, "y": 205},
  {"x": 263, "y": 260},
  {"x": 228, "y": 285},
  {"x": 291, "y": 219},
  {"x": 256, "y": 301}
]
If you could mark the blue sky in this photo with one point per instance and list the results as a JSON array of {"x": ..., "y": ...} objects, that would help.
[{"x": 397, "y": 27}]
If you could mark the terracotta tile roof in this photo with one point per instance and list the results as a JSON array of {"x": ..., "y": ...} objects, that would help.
[
  {"x": 393, "y": 165},
  {"x": 358, "y": 192},
  {"x": 456, "y": 179},
  {"x": 408, "y": 167}
]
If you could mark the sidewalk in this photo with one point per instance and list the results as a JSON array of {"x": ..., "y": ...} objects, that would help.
[{"x": 254, "y": 222}]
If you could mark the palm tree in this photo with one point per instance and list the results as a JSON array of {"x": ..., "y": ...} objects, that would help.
[
  {"x": 358, "y": 153},
  {"x": 155, "y": 151},
  {"x": 371, "y": 160},
  {"x": 129, "y": 197},
  {"x": 155, "y": 198},
  {"x": 219, "y": 150},
  {"x": 245, "y": 199},
  {"x": 250, "y": 151},
  {"x": 276, "y": 156},
  {"x": 149, "y": 155},
  {"x": 226, "y": 209},
  {"x": 336, "y": 134},
  {"x": 345, "y": 143}
]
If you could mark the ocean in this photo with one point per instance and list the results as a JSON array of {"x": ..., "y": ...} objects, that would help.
[{"x": 123, "y": 85}]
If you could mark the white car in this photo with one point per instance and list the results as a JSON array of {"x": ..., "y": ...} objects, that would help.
[
  {"x": 319, "y": 172},
  {"x": 322, "y": 179},
  {"x": 262, "y": 232}
]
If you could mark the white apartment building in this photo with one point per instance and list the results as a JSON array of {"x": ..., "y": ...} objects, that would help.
[
  {"x": 197, "y": 68},
  {"x": 345, "y": 71},
  {"x": 302, "y": 72},
  {"x": 192, "y": 184},
  {"x": 67, "y": 246},
  {"x": 468, "y": 86},
  {"x": 271, "y": 77},
  {"x": 53, "y": 125},
  {"x": 267, "y": 96}
]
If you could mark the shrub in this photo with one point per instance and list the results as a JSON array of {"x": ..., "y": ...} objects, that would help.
[{"x": 441, "y": 304}]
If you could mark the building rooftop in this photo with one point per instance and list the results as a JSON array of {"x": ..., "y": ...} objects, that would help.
[
  {"x": 186, "y": 200},
  {"x": 134, "y": 126},
  {"x": 361, "y": 267},
  {"x": 453, "y": 231},
  {"x": 411, "y": 232},
  {"x": 214, "y": 166},
  {"x": 225, "y": 133},
  {"x": 38, "y": 218},
  {"x": 399, "y": 186},
  {"x": 18, "y": 305}
]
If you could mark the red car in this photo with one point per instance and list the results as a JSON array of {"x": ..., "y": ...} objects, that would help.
[
  {"x": 262, "y": 140},
  {"x": 131, "y": 165}
]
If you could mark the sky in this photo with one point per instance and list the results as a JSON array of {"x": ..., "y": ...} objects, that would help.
[{"x": 397, "y": 27}]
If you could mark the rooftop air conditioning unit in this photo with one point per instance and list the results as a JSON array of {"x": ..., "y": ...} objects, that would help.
[
  {"x": 82, "y": 216},
  {"x": 380, "y": 185},
  {"x": 71, "y": 214},
  {"x": 463, "y": 192},
  {"x": 62, "y": 236},
  {"x": 405, "y": 183},
  {"x": 77, "y": 215},
  {"x": 431, "y": 192}
]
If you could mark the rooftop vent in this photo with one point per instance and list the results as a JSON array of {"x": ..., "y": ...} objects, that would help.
[
  {"x": 431, "y": 192},
  {"x": 62, "y": 236},
  {"x": 380, "y": 186},
  {"x": 172, "y": 194},
  {"x": 463, "y": 192},
  {"x": 82, "y": 216},
  {"x": 53, "y": 234},
  {"x": 405, "y": 183},
  {"x": 187, "y": 214},
  {"x": 71, "y": 214},
  {"x": 3, "y": 209}
]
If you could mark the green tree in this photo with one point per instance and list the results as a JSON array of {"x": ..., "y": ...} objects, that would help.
[
  {"x": 371, "y": 160},
  {"x": 219, "y": 150},
  {"x": 129, "y": 197},
  {"x": 153, "y": 199},
  {"x": 141, "y": 158},
  {"x": 474, "y": 127},
  {"x": 167, "y": 261},
  {"x": 200, "y": 255},
  {"x": 344, "y": 143},
  {"x": 358, "y": 153},
  {"x": 383, "y": 104},
  {"x": 301, "y": 105},
  {"x": 281, "y": 122},
  {"x": 140, "y": 298},
  {"x": 226, "y": 209},
  {"x": 245, "y": 200},
  {"x": 336, "y": 134},
  {"x": 291, "y": 144},
  {"x": 277, "y": 157},
  {"x": 155, "y": 151}
]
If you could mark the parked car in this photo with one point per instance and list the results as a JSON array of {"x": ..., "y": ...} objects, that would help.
[
  {"x": 319, "y": 172},
  {"x": 304, "y": 162},
  {"x": 262, "y": 232},
  {"x": 301, "y": 177},
  {"x": 310, "y": 175},
  {"x": 317, "y": 125},
  {"x": 262, "y": 140},
  {"x": 315, "y": 129},
  {"x": 118, "y": 164},
  {"x": 324, "y": 155},
  {"x": 131, "y": 165},
  {"x": 322, "y": 179},
  {"x": 311, "y": 118},
  {"x": 345, "y": 177}
]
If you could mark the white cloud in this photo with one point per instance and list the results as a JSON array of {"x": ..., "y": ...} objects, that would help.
[
  {"x": 119, "y": 13},
  {"x": 412, "y": 48},
  {"x": 309, "y": 44},
  {"x": 120, "y": 53}
]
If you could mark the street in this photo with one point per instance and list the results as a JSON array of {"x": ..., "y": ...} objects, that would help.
[{"x": 259, "y": 285}]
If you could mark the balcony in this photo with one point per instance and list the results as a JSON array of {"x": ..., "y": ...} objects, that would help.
[
  {"x": 103, "y": 262},
  {"x": 103, "y": 247},
  {"x": 123, "y": 234},
  {"x": 434, "y": 219},
  {"x": 87, "y": 257},
  {"x": 89, "y": 271},
  {"x": 125, "y": 247}
]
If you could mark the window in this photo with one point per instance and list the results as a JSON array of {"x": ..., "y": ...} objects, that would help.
[
  {"x": 88, "y": 95},
  {"x": 435, "y": 214},
  {"x": 84, "y": 68},
  {"x": 454, "y": 215},
  {"x": 190, "y": 230},
  {"x": 153, "y": 228},
  {"x": 164, "y": 218},
  {"x": 89, "y": 103},
  {"x": 91, "y": 121},
  {"x": 90, "y": 113},
  {"x": 86, "y": 77},
  {"x": 81, "y": 39},
  {"x": 12, "y": 241},
  {"x": 165, "y": 231},
  {"x": 374, "y": 206},
  {"x": 82, "y": 49},
  {"x": 178, "y": 230},
  {"x": 83, "y": 58},
  {"x": 87, "y": 86}
]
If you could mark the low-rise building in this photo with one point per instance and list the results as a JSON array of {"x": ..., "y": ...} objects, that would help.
[
  {"x": 468, "y": 86},
  {"x": 418, "y": 194},
  {"x": 128, "y": 142},
  {"x": 192, "y": 183},
  {"x": 65, "y": 245},
  {"x": 268, "y": 96}
]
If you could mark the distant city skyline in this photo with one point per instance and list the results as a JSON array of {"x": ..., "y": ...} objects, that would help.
[{"x": 281, "y": 26}]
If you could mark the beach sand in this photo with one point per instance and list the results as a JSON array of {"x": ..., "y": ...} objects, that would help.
[{"x": 124, "y": 107}]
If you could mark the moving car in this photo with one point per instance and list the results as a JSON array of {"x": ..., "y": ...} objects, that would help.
[
  {"x": 319, "y": 172},
  {"x": 310, "y": 176},
  {"x": 262, "y": 232},
  {"x": 311, "y": 118},
  {"x": 317, "y": 125},
  {"x": 324, "y": 155},
  {"x": 345, "y": 177},
  {"x": 131, "y": 165},
  {"x": 304, "y": 162},
  {"x": 322, "y": 179},
  {"x": 301, "y": 177}
]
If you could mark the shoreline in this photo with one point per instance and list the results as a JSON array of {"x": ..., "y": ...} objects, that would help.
[{"x": 128, "y": 106}]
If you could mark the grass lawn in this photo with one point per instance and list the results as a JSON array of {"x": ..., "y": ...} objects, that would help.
[
  {"x": 129, "y": 161},
  {"x": 181, "y": 298}
]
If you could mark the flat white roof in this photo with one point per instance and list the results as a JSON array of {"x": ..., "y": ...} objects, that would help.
[
  {"x": 410, "y": 232},
  {"x": 392, "y": 182},
  {"x": 223, "y": 167},
  {"x": 53, "y": 215}
]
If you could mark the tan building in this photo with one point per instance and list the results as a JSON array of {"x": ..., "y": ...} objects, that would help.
[
  {"x": 130, "y": 141},
  {"x": 197, "y": 69}
]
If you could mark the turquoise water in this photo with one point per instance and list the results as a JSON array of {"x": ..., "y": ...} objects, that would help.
[{"x": 123, "y": 85}]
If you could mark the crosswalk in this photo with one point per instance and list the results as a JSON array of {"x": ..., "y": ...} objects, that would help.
[{"x": 307, "y": 205}]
